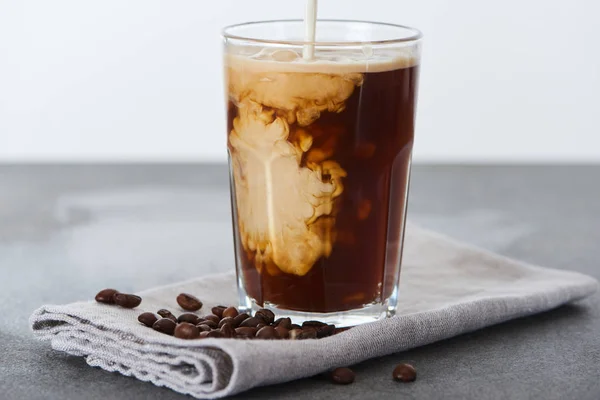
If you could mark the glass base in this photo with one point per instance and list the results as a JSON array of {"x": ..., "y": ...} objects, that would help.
[{"x": 341, "y": 319}]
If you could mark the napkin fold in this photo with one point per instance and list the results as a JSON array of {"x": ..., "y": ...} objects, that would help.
[{"x": 447, "y": 288}]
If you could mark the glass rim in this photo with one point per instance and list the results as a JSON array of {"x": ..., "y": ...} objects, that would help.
[{"x": 416, "y": 34}]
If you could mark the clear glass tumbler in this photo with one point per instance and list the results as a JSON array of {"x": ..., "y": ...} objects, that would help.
[{"x": 319, "y": 155}]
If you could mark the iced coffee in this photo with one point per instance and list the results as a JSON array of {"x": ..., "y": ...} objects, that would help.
[{"x": 320, "y": 155}]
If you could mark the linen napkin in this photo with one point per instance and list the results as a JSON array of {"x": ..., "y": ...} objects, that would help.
[{"x": 447, "y": 288}]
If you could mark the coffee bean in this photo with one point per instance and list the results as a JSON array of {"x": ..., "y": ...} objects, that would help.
[
  {"x": 404, "y": 373},
  {"x": 294, "y": 334},
  {"x": 227, "y": 330},
  {"x": 164, "y": 313},
  {"x": 209, "y": 323},
  {"x": 165, "y": 325},
  {"x": 215, "y": 334},
  {"x": 246, "y": 331},
  {"x": 230, "y": 312},
  {"x": 189, "y": 302},
  {"x": 204, "y": 335},
  {"x": 308, "y": 333},
  {"x": 267, "y": 332},
  {"x": 342, "y": 376},
  {"x": 261, "y": 325},
  {"x": 204, "y": 328},
  {"x": 185, "y": 330},
  {"x": 212, "y": 318},
  {"x": 252, "y": 321},
  {"x": 282, "y": 332},
  {"x": 189, "y": 317},
  {"x": 226, "y": 320},
  {"x": 106, "y": 296},
  {"x": 266, "y": 315},
  {"x": 313, "y": 324},
  {"x": 239, "y": 319},
  {"x": 127, "y": 300},
  {"x": 295, "y": 326},
  {"x": 148, "y": 319},
  {"x": 218, "y": 311},
  {"x": 325, "y": 330},
  {"x": 284, "y": 323}
]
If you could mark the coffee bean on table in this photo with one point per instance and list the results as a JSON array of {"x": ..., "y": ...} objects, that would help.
[
  {"x": 252, "y": 321},
  {"x": 308, "y": 333},
  {"x": 204, "y": 328},
  {"x": 313, "y": 324},
  {"x": 212, "y": 317},
  {"x": 127, "y": 300},
  {"x": 295, "y": 326},
  {"x": 284, "y": 323},
  {"x": 246, "y": 331},
  {"x": 167, "y": 314},
  {"x": 204, "y": 334},
  {"x": 211, "y": 324},
  {"x": 215, "y": 334},
  {"x": 189, "y": 317},
  {"x": 165, "y": 325},
  {"x": 325, "y": 330},
  {"x": 230, "y": 312},
  {"x": 106, "y": 296},
  {"x": 227, "y": 331},
  {"x": 294, "y": 334},
  {"x": 218, "y": 311},
  {"x": 266, "y": 315},
  {"x": 404, "y": 373},
  {"x": 282, "y": 332},
  {"x": 261, "y": 325},
  {"x": 239, "y": 319},
  {"x": 342, "y": 376},
  {"x": 189, "y": 302},
  {"x": 148, "y": 319},
  {"x": 185, "y": 330},
  {"x": 225, "y": 320},
  {"x": 267, "y": 332}
]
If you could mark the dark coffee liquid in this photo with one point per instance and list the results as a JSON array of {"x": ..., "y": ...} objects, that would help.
[{"x": 372, "y": 140}]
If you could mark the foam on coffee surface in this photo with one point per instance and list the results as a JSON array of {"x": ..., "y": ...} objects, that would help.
[{"x": 285, "y": 210}]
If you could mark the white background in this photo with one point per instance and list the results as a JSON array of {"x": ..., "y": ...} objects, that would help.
[{"x": 140, "y": 80}]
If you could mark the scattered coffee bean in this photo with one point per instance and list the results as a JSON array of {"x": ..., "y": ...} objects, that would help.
[
  {"x": 203, "y": 335},
  {"x": 230, "y": 312},
  {"x": 295, "y": 326},
  {"x": 294, "y": 334},
  {"x": 267, "y": 332},
  {"x": 165, "y": 325},
  {"x": 313, "y": 324},
  {"x": 227, "y": 331},
  {"x": 164, "y": 313},
  {"x": 246, "y": 331},
  {"x": 218, "y": 311},
  {"x": 212, "y": 317},
  {"x": 239, "y": 319},
  {"x": 185, "y": 330},
  {"x": 189, "y": 317},
  {"x": 284, "y": 323},
  {"x": 308, "y": 333},
  {"x": 282, "y": 332},
  {"x": 106, "y": 296},
  {"x": 225, "y": 320},
  {"x": 266, "y": 315},
  {"x": 342, "y": 376},
  {"x": 261, "y": 325},
  {"x": 148, "y": 319},
  {"x": 215, "y": 334},
  {"x": 209, "y": 323},
  {"x": 127, "y": 300},
  {"x": 404, "y": 373},
  {"x": 204, "y": 328},
  {"x": 325, "y": 330},
  {"x": 252, "y": 321},
  {"x": 189, "y": 302}
]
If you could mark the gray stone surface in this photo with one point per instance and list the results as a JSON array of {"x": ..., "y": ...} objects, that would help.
[{"x": 66, "y": 231}]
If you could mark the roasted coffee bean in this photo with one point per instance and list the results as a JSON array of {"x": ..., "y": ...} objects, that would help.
[
  {"x": 267, "y": 332},
  {"x": 185, "y": 330},
  {"x": 215, "y": 334},
  {"x": 295, "y": 326},
  {"x": 213, "y": 318},
  {"x": 189, "y": 317},
  {"x": 227, "y": 330},
  {"x": 148, "y": 319},
  {"x": 218, "y": 311},
  {"x": 204, "y": 334},
  {"x": 239, "y": 319},
  {"x": 230, "y": 312},
  {"x": 226, "y": 320},
  {"x": 252, "y": 321},
  {"x": 342, "y": 376},
  {"x": 246, "y": 331},
  {"x": 266, "y": 315},
  {"x": 282, "y": 332},
  {"x": 189, "y": 302},
  {"x": 325, "y": 330},
  {"x": 165, "y": 325},
  {"x": 284, "y": 323},
  {"x": 204, "y": 328},
  {"x": 313, "y": 324},
  {"x": 308, "y": 333},
  {"x": 294, "y": 334},
  {"x": 127, "y": 300},
  {"x": 209, "y": 323},
  {"x": 261, "y": 325},
  {"x": 106, "y": 296},
  {"x": 164, "y": 313},
  {"x": 404, "y": 373}
]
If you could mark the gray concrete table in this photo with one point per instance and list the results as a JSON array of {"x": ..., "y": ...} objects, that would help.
[{"x": 66, "y": 231}]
